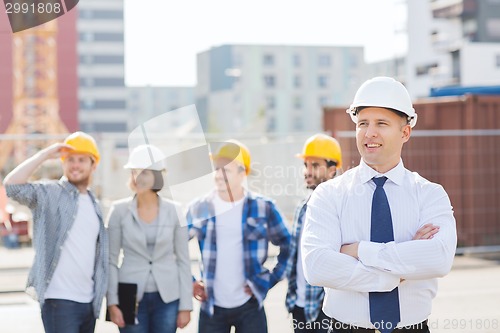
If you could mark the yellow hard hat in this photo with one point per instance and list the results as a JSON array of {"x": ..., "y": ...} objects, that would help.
[
  {"x": 237, "y": 151},
  {"x": 322, "y": 146},
  {"x": 83, "y": 143}
]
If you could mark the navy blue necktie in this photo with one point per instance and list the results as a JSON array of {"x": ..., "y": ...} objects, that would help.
[{"x": 384, "y": 306}]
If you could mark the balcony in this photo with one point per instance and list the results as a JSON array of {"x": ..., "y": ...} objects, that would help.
[{"x": 447, "y": 9}]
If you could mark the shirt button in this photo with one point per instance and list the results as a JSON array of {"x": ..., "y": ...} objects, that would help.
[{"x": 150, "y": 262}]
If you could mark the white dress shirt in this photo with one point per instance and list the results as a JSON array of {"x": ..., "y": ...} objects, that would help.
[{"x": 339, "y": 212}]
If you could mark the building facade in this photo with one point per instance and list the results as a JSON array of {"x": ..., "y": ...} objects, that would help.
[
  {"x": 274, "y": 88},
  {"x": 146, "y": 102},
  {"x": 452, "y": 42},
  {"x": 101, "y": 70}
]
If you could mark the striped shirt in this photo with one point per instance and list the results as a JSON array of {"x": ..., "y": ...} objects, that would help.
[
  {"x": 54, "y": 205},
  {"x": 339, "y": 212},
  {"x": 262, "y": 223}
]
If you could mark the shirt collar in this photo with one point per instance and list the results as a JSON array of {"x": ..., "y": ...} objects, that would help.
[
  {"x": 67, "y": 185},
  {"x": 396, "y": 174}
]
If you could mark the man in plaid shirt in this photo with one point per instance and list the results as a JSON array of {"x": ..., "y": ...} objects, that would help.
[
  {"x": 322, "y": 156},
  {"x": 233, "y": 227}
]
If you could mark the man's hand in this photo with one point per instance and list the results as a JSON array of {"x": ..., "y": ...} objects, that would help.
[
  {"x": 248, "y": 290},
  {"x": 199, "y": 291},
  {"x": 427, "y": 231},
  {"x": 56, "y": 150},
  {"x": 350, "y": 249}
]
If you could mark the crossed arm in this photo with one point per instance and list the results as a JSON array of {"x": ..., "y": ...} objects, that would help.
[{"x": 366, "y": 266}]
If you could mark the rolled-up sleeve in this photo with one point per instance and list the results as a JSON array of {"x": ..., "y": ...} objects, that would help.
[{"x": 26, "y": 194}]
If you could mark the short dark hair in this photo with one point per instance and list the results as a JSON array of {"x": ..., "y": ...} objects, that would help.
[
  {"x": 158, "y": 183},
  {"x": 397, "y": 112},
  {"x": 330, "y": 163}
]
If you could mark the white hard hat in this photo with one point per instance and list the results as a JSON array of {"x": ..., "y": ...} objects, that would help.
[
  {"x": 384, "y": 92},
  {"x": 146, "y": 157}
]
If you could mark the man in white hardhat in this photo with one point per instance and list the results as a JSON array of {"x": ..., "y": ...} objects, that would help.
[{"x": 364, "y": 230}]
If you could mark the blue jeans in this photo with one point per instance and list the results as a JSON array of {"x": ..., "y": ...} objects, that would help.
[
  {"x": 248, "y": 318},
  {"x": 64, "y": 316},
  {"x": 154, "y": 316}
]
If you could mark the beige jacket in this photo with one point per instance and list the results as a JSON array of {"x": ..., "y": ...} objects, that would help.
[{"x": 170, "y": 263}]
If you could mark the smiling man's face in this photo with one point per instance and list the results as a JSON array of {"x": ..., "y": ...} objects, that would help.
[{"x": 380, "y": 135}]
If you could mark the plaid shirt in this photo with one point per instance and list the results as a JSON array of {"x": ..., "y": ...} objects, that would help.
[
  {"x": 54, "y": 205},
  {"x": 314, "y": 295},
  {"x": 261, "y": 223}
]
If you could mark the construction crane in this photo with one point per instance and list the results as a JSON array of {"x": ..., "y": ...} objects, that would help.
[{"x": 35, "y": 100}]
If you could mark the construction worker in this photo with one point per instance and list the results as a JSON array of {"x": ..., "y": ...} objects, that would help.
[
  {"x": 146, "y": 230},
  {"x": 322, "y": 158},
  {"x": 378, "y": 236},
  {"x": 70, "y": 270},
  {"x": 233, "y": 226}
]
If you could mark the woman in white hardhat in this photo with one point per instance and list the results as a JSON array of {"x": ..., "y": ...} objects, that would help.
[{"x": 155, "y": 251}]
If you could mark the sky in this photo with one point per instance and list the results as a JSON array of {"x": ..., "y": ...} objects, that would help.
[{"x": 162, "y": 37}]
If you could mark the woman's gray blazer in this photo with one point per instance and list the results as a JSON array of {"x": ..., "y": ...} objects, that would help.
[{"x": 170, "y": 263}]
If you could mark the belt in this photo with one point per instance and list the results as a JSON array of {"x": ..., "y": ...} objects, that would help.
[{"x": 341, "y": 327}]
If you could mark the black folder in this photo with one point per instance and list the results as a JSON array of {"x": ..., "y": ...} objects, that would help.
[{"x": 127, "y": 299}]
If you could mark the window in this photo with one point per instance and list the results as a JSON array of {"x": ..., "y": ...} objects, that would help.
[
  {"x": 87, "y": 36},
  {"x": 297, "y": 102},
  {"x": 297, "y": 81},
  {"x": 87, "y": 82},
  {"x": 323, "y": 81},
  {"x": 324, "y": 60},
  {"x": 101, "y": 14},
  {"x": 425, "y": 69},
  {"x": 270, "y": 102},
  {"x": 271, "y": 124},
  {"x": 296, "y": 60},
  {"x": 102, "y": 104},
  {"x": 108, "y": 37},
  {"x": 109, "y": 82},
  {"x": 269, "y": 81},
  {"x": 110, "y": 127},
  {"x": 298, "y": 124},
  {"x": 268, "y": 60},
  {"x": 101, "y": 37},
  {"x": 110, "y": 104},
  {"x": 323, "y": 100},
  {"x": 101, "y": 59},
  {"x": 87, "y": 104}
]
